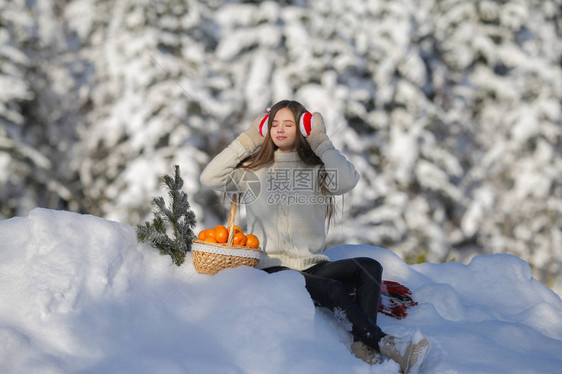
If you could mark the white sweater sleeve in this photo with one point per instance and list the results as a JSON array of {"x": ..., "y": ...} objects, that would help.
[
  {"x": 221, "y": 170},
  {"x": 345, "y": 177}
]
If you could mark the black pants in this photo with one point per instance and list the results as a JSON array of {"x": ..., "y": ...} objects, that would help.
[{"x": 330, "y": 283}]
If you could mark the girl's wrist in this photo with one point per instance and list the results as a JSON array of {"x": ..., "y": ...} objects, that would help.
[
  {"x": 317, "y": 141},
  {"x": 320, "y": 145},
  {"x": 247, "y": 142}
]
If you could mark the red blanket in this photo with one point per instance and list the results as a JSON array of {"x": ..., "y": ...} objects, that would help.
[{"x": 395, "y": 299}]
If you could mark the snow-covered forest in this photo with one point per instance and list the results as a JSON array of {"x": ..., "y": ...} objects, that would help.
[{"x": 450, "y": 110}]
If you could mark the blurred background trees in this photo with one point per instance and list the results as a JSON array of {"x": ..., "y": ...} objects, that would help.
[{"x": 451, "y": 111}]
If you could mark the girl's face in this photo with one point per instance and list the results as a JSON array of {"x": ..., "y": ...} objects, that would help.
[{"x": 284, "y": 130}]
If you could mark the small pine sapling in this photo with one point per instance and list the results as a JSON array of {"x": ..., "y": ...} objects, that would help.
[{"x": 179, "y": 216}]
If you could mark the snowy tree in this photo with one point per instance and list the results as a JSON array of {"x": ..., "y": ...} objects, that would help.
[
  {"x": 38, "y": 117},
  {"x": 154, "y": 101},
  {"x": 514, "y": 185},
  {"x": 451, "y": 110},
  {"x": 15, "y": 156}
]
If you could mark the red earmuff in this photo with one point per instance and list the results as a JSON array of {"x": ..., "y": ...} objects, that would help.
[
  {"x": 263, "y": 124},
  {"x": 306, "y": 123}
]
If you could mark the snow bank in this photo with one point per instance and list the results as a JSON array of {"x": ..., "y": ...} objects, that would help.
[{"x": 78, "y": 294}]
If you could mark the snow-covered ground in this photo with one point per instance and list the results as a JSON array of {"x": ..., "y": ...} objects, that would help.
[{"x": 78, "y": 294}]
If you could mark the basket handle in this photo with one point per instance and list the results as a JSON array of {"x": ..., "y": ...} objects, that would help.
[{"x": 231, "y": 216}]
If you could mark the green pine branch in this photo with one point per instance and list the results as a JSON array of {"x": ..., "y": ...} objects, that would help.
[{"x": 178, "y": 215}]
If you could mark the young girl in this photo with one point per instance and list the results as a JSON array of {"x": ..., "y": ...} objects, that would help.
[{"x": 299, "y": 172}]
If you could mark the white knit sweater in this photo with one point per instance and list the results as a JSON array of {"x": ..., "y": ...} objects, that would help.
[{"x": 288, "y": 215}]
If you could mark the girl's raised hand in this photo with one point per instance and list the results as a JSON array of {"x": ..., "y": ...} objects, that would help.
[
  {"x": 251, "y": 138},
  {"x": 318, "y": 133}
]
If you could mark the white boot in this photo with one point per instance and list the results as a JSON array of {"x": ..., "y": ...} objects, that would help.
[
  {"x": 366, "y": 353},
  {"x": 408, "y": 354}
]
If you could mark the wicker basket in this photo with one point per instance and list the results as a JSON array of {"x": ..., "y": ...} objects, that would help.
[{"x": 210, "y": 258}]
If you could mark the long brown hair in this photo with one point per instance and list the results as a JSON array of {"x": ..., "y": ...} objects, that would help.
[{"x": 265, "y": 155}]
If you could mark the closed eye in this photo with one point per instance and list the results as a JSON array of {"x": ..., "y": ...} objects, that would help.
[{"x": 275, "y": 123}]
